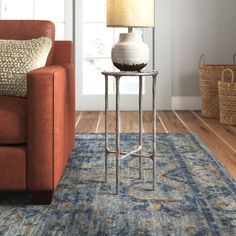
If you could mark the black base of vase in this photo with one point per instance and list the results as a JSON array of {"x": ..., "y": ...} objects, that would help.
[{"x": 125, "y": 67}]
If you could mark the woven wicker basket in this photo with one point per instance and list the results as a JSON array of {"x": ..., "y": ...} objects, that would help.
[
  {"x": 227, "y": 98},
  {"x": 209, "y": 76}
]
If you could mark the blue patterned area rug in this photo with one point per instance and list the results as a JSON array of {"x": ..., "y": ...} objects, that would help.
[{"x": 194, "y": 194}]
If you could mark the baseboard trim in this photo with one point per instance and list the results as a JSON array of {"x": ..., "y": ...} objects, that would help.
[{"x": 185, "y": 103}]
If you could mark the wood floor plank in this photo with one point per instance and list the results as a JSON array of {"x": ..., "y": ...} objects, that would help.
[
  {"x": 171, "y": 122},
  {"x": 88, "y": 122},
  {"x": 226, "y": 155},
  {"x": 147, "y": 123},
  {"x": 129, "y": 122},
  {"x": 233, "y": 127},
  {"x": 111, "y": 123},
  {"x": 227, "y": 133},
  {"x": 77, "y": 117}
]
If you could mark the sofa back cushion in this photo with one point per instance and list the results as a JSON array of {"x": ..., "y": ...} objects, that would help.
[
  {"x": 17, "y": 58},
  {"x": 28, "y": 29}
]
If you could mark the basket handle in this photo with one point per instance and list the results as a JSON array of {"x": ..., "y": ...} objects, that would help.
[
  {"x": 234, "y": 59},
  {"x": 202, "y": 60},
  {"x": 232, "y": 74}
]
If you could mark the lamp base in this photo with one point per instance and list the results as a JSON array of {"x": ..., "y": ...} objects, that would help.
[
  {"x": 126, "y": 67},
  {"x": 130, "y": 53}
]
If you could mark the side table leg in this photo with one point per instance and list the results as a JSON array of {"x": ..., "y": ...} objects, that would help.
[
  {"x": 140, "y": 124},
  {"x": 106, "y": 125},
  {"x": 117, "y": 133},
  {"x": 154, "y": 130}
]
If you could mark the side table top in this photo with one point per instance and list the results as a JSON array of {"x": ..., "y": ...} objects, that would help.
[{"x": 130, "y": 73}]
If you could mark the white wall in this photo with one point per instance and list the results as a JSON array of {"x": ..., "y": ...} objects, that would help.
[
  {"x": 199, "y": 26},
  {"x": 163, "y": 52},
  {"x": 1, "y": 8}
]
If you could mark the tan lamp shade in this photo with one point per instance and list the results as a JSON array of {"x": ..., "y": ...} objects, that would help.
[{"x": 130, "y": 13}]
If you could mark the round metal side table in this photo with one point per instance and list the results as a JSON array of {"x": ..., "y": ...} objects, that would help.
[{"x": 137, "y": 152}]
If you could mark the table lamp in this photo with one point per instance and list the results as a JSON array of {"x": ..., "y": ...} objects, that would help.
[{"x": 130, "y": 53}]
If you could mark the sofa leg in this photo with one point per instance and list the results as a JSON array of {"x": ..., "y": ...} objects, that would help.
[{"x": 42, "y": 197}]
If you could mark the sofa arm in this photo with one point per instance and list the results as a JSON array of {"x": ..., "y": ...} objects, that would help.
[{"x": 50, "y": 125}]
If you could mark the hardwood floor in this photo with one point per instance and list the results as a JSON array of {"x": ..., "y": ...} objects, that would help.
[{"x": 220, "y": 139}]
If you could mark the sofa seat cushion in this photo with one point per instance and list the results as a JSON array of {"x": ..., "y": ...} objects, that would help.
[
  {"x": 13, "y": 168},
  {"x": 12, "y": 120}
]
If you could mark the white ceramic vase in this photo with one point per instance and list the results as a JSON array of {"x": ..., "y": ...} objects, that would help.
[{"x": 130, "y": 53}]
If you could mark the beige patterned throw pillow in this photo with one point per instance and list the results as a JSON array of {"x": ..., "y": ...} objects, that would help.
[{"x": 17, "y": 58}]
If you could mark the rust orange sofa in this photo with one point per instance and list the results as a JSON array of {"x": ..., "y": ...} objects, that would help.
[{"x": 37, "y": 132}]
